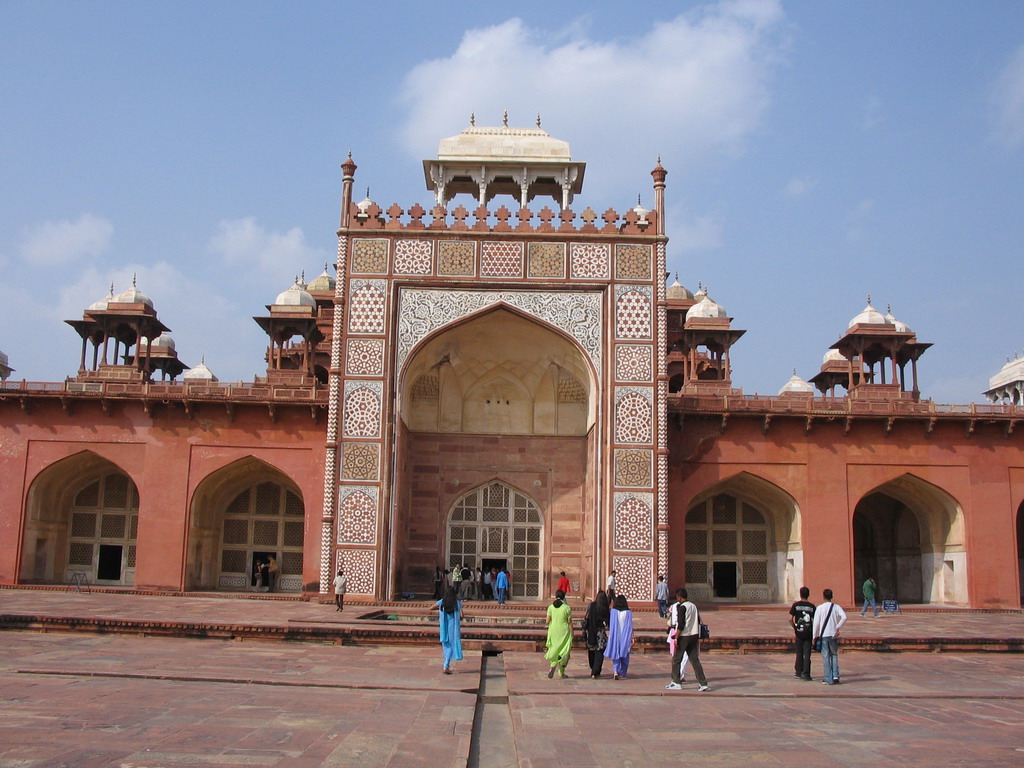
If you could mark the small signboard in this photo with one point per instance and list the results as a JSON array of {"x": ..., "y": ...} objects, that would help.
[{"x": 890, "y": 606}]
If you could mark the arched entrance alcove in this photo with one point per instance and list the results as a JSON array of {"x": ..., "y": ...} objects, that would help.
[
  {"x": 909, "y": 535},
  {"x": 1020, "y": 550},
  {"x": 242, "y": 514},
  {"x": 81, "y": 519},
  {"x": 742, "y": 542},
  {"x": 497, "y": 526},
  {"x": 496, "y": 396}
]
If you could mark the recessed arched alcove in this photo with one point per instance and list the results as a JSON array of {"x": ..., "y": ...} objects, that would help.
[
  {"x": 742, "y": 542},
  {"x": 242, "y": 513},
  {"x": 496, "y": 397},
  {"x": 81, "y": 520},
  {"x": 909, "y": 535}
]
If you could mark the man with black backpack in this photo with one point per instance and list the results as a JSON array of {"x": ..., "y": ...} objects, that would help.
[
  {"x": 685, "y": 619},
  {"x": 801, "y": 618}
]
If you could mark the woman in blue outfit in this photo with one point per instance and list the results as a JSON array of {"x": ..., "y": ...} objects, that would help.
[
  {"x": 451, "y": 630},
  {"x": 620, "y": 636}
]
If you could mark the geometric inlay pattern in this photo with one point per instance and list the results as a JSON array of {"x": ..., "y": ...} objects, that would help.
[
  {"x": 634, "y": 576},
  {"x": 456, "y": 257},
  {"x": 501, "y": 260},
  {"x": 632, "y": 262},
  {"x": 589, "y": 260},
  {"x": 364, "y": 357},
  {"x": 359, "y": 461},
  {"x": 634, "y": 362},
  {"x": 634, "y": 415},
  {"x": 633, "y": 312},
  {"x": 357, "y": 515},
  {"x": 366, "y": 311},
  {"x": 360, "y": 566},
  {"x": 413, "y": 257},
  {"x": 421, "y": 311},
  {"x": 634, "y": 521},
  {"x": 361, "y": 415},
  {"x": 634, "y": 467},
  {"x": 547, "y": 260},
  {"x": 370, "y": 256}
]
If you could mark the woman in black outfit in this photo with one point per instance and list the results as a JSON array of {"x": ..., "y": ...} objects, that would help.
[{"x": 595, "y": 625}]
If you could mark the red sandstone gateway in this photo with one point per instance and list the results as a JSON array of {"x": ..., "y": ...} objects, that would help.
[{"x": 510, "y": 388}]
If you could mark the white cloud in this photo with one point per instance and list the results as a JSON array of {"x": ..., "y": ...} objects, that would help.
[
  {"x": 857, "y": 217},
  {"x": 800, "y": 186},
  {"x": 695, "y": 85},
  {"x": 1007, "y": 96},
  {"x": 696, "y": 233},
  {"x": 243, "y": 241},
  {"x": 59, "y": 242}
]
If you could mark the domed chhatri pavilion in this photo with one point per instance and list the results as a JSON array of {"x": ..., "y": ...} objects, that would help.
[{"x": 506, "y": 380}]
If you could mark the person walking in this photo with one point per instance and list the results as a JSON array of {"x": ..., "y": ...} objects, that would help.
[
  {"x": 438, "y": 583},
  {"x": 563, "y": 583},
  {"x": 801, "y": 619},
  {"x": 870, "y": 590},
  {"x": 501, "y": 584},
  {"x": 466, "y": 585},
  {"x": 457, "y": 579},
  {"x": 829, "y": 618},
  {"x": 559, "y": 641},
  {"x": 661, "y": 597},
  {"x": 620, "y": 637},
  {"x": 340, "y": 583},
  {"x": 489, "y": 584},
  {"x": 685, "y": 619},
  {"x": 273, "y": 573},
  {"x": 450, "y": 628},
  {"x": 595, "y": 632},
  {"x": 609, "y": 587}
]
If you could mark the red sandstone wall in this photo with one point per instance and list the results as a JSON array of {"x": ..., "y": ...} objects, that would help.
[
  {"x": 442, "y": 467},
  {"x": 167, "y": 455},
  {"x": 828, "y": 472}
]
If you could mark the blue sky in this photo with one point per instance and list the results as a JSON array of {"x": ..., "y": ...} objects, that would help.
[{"x": 817, "y": 152}]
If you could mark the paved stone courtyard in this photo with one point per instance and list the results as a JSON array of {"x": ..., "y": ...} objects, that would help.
[{"x": 86, "y": 699}]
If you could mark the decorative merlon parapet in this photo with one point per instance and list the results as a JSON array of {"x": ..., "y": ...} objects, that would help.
[{"x": 632, "y": 223}]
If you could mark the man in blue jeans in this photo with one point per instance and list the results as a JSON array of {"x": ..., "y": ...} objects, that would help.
[
  {"x": 870, "y": 590},
  {"x": 502, "y": 586},
  {"x": 828, "y": 620}
]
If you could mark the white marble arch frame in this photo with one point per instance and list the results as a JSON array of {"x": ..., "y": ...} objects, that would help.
[{"x": 578, "y": 315}]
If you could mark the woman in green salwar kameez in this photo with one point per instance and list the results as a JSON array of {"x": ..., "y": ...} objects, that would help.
[{"x": 559, "y": 642}]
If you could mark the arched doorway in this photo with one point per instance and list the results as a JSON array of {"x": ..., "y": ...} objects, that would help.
[
  {"x": 1020, "y": 550},
  {"x": 742, "y": 543},
  {"x": 242, "y": 515},
  {"x": 908, "y": 535},
  {"x": 497, "y": 526},
  {"x": 81, "y": 521},
  {"x": 497, "y": 396}
]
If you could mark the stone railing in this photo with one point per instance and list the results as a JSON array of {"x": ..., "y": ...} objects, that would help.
[
  {"x": 834, "y": 406},
  {"x": 235, "y": 392},
  {"x": 502, "y": 220}
]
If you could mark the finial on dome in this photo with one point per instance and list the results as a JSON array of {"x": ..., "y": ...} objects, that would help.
[
  {"x": 111, "y": 287},
  {"x": 638, "y": 198},
  {"x": 538, "y": 119},
  {"x": 888, "y": 308},
  {"x": 133, "y": 280},
  {"x": 367, "y": 193},
  {"x": 869, "y": 298},
  {"x": 303, "y": 275},
  {"x": 794, "y": 371},
  {"x": 677, "y": 275},
  {"x": 325, "y": 267},
  {"x": 504, "y": 119},
  {"x": 659, "y": 158},
  {"x": 350, "y": 154}
]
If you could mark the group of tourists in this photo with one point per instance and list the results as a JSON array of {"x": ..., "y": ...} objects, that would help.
[
  {"x": 817, "y": 628},
  {"x": 472, "y": 583},
  {"x": 607, "y": 631}
]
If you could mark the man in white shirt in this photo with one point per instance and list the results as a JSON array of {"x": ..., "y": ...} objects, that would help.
[
  {"x": 829, "y": 618},
  {"x": 609, "y": 587},
  {"x": 685, "y": 619}
]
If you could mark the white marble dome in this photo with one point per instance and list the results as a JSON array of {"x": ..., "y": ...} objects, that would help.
[
  {"x": 102, "y": 303},
  {"x": 678, "y": 291},
  {"x": 132, "y": 296},
  {"x": 324, "y": 282},
  {"x": 705, "y": 308},
  {"x": 163, "y": 341},
  {"x": 833, "y": 355},
  {"x": 796, "y": 386},
  {"x": 295, "y": 296},
  {"x": 868, "y": 316},
  {"x": 200, "y": 373},
  {"x": 900, "y": 327}
]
